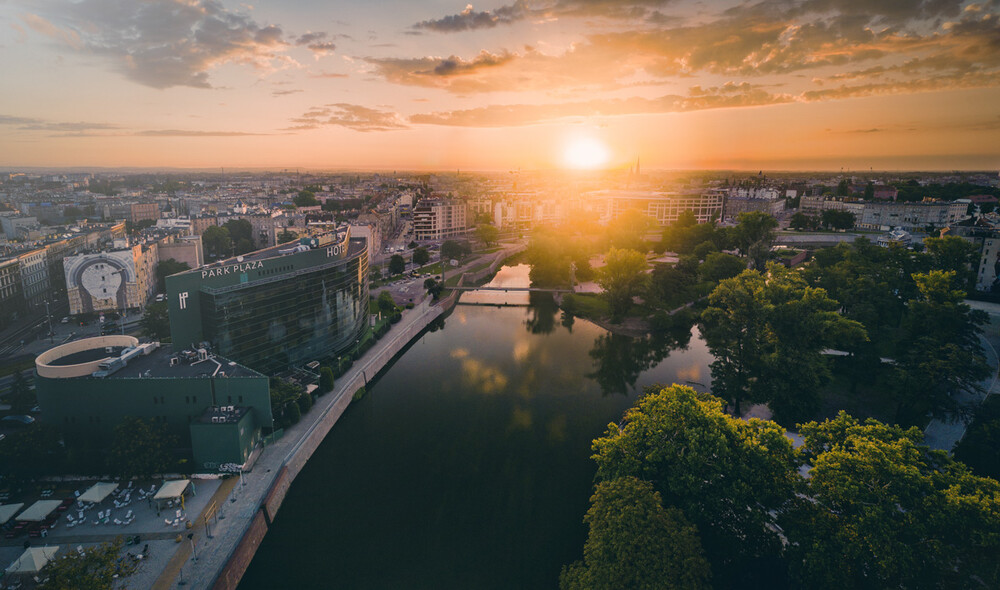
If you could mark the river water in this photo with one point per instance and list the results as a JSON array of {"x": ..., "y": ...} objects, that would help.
[{"x": 467, "y": 464}]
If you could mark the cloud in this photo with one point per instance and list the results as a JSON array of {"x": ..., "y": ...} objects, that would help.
[
  {"x": 34, "y": 124},
  {"x": 286, "y": 92},
  {"x": 317, "y": 43},
  {"x": 352, "y": 116},
  {"x": 162, "y": 43},
  {"x": 469, "y": 19},
  {"x": 729, "y": 96},
  {"x": 328, "y": 75},
  {"x": 192, "y": 133}
]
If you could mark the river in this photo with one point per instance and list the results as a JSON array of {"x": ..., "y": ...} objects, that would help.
[{"x": 467, "y": 464}]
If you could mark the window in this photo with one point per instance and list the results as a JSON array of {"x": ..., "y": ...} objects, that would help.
[
  {"x": 187, "y": 399},
  {"x": 241, "y": 399},
  {"x": 194, "y": 399}
]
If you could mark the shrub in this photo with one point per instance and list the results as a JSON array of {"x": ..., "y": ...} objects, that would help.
[
  {"x": 326, "y": 380},
  {"x": 305, "y": 402},
  {"x": 294, "y": 414}
]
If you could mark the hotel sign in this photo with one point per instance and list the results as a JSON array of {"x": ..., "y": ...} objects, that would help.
[{"x": 232, "y": 269}]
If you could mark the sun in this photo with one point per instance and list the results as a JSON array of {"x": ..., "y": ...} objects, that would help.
[{"x": 585, "y": 153}]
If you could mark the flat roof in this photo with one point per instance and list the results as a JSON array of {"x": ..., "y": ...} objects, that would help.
[
  {"x": 223, "y": 416},
  {"x": 158, "y": 365},
  {"x": 86, "y": 356}
]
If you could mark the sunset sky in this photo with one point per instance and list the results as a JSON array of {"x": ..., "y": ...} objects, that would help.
[{"x": 777, "y": 84}]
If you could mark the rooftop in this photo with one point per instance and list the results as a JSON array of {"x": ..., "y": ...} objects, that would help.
[
  {"x": 158, "y": 364},
  {"x": 223, "y": 415}
]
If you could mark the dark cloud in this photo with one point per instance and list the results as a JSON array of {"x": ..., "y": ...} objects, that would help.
[
  {"x": 316, "y": 42},
  {"x": 351, "y": 116},
  {"x": 286, "y": 92},
  {"x": 162, "y": 43},
  {"x": 471, "y": 19}
]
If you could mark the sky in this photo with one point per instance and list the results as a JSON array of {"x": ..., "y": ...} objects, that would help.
[{"x": 529, "y": 84}]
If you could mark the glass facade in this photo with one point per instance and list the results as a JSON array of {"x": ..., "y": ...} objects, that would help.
[{"x": 296, "y": 317}]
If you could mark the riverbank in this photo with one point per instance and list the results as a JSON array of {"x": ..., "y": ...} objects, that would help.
[{"x": 244, "y": 516}]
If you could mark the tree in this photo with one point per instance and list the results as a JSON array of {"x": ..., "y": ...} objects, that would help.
[
  {"x": 396, "y": 264},
  {"x": 325, "y": 379},
  {"x": 869, "y": 191},
  {"x": 140, "y": 448},
  {"x": 169, "y": 267},
  {"x": 622, "y": 277},
  {"x": 434, "y": 287},
  {"x": 97, "y": 568},
  {"x": 754, "y": 235},
  {"x": 940, "y": 354},
  {"x": 487, "y": 234},
  {"x": 881, "y": 510},
  {"x": 286, "y": 236},
  {"x": 72, "y": 213},
  {"x": 952, "y": 253},
  {"x": 421, "y": 256},
  {"x": 767, "y": 334},
  {"x": 217, "y": 242},
  {"x": 385, "y": 302},
  {"x": 730, "y": 478},
  {"x": 719, "y": 266},
  {"x": 832, "y": 218},
  {"x": 550, "y": 261},
  {"x": 634, "y": 542},
  {"x": 452, "y": 250},
  {"x": 843, "y": 188},
  {"x": 155, "y": 321},
  {"x": 669, "y": 287},
  {"x": 628, "y": 230},
  {"x": 241, "y": 233},
  {"x": 800, "y": 221},
  {"x": 305, "y": 198}
]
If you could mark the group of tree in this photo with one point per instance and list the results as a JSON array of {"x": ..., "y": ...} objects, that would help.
[
  {"x": 288, "y": 402},
  {"x": 285, "y": 236},
  {"x": 828, "y": 219},
  {"x": 487, "y": 234},
  {"x": 455, "y": 250},
  {"x": 911, "y": 305},
  {"x": 305, "y": 198},
  {"x": 767, "y": 331},
  {"x": 98, "y": 568},
  {"x": 690, "y": 497}
]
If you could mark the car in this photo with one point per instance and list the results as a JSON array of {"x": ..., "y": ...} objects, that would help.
[
  {"x": 65, "y": 320},
  {"x": 17, "y": 420}
]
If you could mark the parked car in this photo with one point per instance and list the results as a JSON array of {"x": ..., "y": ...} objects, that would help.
[{"x": 17, "y": 420}]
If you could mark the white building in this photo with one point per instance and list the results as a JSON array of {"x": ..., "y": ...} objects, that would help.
[
  {"x": 438, "y": 219},
  {"x": 663, "y": 207}
]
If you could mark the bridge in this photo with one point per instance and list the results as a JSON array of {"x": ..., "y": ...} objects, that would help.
[{"x": 505, "y": 289}]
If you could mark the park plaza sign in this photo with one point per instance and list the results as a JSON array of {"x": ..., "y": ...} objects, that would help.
[
  {"x": 331, "y": 252},
  {"x": 232, "y": 268}
]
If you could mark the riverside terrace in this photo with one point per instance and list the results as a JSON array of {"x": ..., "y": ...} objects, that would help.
[{"x": 157, "y": 540}]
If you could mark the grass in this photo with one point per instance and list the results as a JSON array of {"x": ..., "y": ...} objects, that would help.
[{"x": 587, "y": 305}]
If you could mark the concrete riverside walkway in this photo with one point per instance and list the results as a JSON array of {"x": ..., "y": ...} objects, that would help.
[
  {"x": 945, "y": 434},
  {"x": 237, "y": 512}
]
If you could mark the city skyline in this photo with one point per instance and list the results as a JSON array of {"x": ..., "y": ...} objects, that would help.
[{"x": 779, "y": 84}]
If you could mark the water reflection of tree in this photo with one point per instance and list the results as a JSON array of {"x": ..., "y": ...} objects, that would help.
[
  {"x": 619, "y": 360},
  {"x": 542, "y": 312}
]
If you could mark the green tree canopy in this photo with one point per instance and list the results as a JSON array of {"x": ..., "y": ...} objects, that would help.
[
  {"x": 487, "y": 234},
  {"x": 285, "y": 236},
  {"x": 240, "y": 229},
  {"x": 396, "y": 264},
  {"x": 385, "y": 302},
  {"x": 305, "y": 198},
  {"x": 754, "y": 236},
  {"x": 622, "y": 277},
  {"x": 728, "y": 477},
  {"x": 140, "y": 448},
  {"x": 881, "y": 510},
  {"x": 31, "y": 453},
  {"x": 549, "y": 258},
  {"x": 800, "y": 221},
  {"x": 325, "y": 379},
  {"x": 952, "y": 253},
  {"x": 217, "y": 242},
  {"x": 628, "y": 230},
  {"x": 454, "y": 250},
  {"x": 719, "y": 266},
  {"x": 421, "y": 256},
  {"x": 832, "y": 218},
  {"x": 767, "y": 334},
  {"x": 97, "y": 568},
  {"x": 168, "y": 267},
  {"x": 634, "y": 542}
]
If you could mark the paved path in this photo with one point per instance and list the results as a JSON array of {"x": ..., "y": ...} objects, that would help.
[
  {"x": 245, "y": 500},
  {"x": 945, "y": 434}
]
